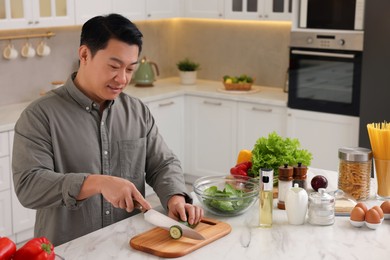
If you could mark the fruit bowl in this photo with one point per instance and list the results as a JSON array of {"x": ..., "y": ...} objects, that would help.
[
  {"x": 238, "y": 86},
  {"x": 227, "y": 195}
]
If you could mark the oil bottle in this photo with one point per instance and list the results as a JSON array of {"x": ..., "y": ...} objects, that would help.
[{"x": 266, "y": 198}]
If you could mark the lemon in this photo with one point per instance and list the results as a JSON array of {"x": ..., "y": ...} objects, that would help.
[{"x": 229, "y": 81}]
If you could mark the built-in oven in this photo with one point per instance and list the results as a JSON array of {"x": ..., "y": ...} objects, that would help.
[{"x": 325, "y": 72}]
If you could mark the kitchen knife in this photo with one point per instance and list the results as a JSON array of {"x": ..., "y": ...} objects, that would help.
[{"x": 158, "y": 219}]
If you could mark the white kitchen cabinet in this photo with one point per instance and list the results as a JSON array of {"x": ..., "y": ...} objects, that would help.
[
  {"x": 23, "y": 219},
  {"x": 275, "y": 10},
  {"x": 258, "y": 120},
  {"x": 212, "y": 129},
  {"x": 15, "y": 14},
  {"x": 5, "y": 193},
  {"x": 132, "y": 9},
  {"x": 5, "y": 213},
  {"x": 204, "y": 8},
  {"x": 323, "y": 134},
  {"x": 158, "y": 9},
  {"x": 169, "y": 116}
]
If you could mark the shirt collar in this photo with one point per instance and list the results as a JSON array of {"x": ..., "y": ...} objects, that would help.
[{"x": 84, "y": 101}]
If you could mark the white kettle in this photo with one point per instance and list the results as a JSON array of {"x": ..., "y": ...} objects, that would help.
[{"x": 296, "y": 205}]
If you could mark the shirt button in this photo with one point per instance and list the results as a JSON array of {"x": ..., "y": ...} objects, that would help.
[
  {"x": 102, "y": 123},
  {"x": 105, "y": 152},
  {"x": 94, "y": 105},
  {"x": 87, "y": 108},
  {"x": 107, "y": 212}
]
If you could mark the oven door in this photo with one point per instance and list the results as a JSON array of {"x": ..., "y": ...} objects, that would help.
[{"x": 325, "y": 80}]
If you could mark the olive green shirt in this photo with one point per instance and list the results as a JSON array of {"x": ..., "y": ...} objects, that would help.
[{"x": 61, "y": 138}]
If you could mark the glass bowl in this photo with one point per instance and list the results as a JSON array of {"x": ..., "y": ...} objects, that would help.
[{"x": 227, "y": 195}]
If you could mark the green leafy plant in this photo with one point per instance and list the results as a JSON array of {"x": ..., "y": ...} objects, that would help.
[
  {"x": 229, "y": 202},
  {"x": 275, "y": 151},
  {"x": 187, "y": 65}
]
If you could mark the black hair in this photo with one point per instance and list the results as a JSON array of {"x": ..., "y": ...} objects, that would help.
[{"x": 97, "y": 31}]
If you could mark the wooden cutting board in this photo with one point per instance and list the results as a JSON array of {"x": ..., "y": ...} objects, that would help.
[{"x": 158, "y": 242}]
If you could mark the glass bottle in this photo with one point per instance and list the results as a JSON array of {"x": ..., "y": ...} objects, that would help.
[{"x": 266, "y": 198}]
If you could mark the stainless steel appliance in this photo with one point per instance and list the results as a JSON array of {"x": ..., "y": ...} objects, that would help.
[
  {"x": 325, "y": 72},
  {"x": 331, "y": 14}
]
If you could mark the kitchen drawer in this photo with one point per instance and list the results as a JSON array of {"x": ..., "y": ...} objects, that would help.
[
  {"x": 4, "y": 150},
  {"x": 5, "y": 173}
]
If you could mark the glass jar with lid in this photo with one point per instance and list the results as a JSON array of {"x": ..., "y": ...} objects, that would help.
[
  {"x": 321, "y": 208},
  {"x": 355, "y": 172}
]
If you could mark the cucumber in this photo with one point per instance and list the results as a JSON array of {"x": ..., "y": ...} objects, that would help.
[{"x": 175, "y": 232}]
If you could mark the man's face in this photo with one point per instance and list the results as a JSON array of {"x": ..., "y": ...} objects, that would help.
[{"x": 109, "y": 71}]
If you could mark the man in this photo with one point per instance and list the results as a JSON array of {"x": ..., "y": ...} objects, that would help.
[{"x": 82, "y": 153}]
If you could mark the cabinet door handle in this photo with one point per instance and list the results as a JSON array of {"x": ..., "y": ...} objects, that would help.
[
  {"x": 268, "y": 110},
  {"x": 166, "y": 104},
  {"x": 212, "y": 103}
]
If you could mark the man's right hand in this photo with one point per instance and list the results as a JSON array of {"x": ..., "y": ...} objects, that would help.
[{"x": 121, "y": 193}]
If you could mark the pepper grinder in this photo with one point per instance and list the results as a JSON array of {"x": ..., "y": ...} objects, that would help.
[
  {"x": 296, "y": 205},
  {"x": 284, "y": 184},
  {"x": 299, "y": 175}
]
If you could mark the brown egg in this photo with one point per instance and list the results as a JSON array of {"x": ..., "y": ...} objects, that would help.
[
  {"x": 373, "y": 217},
  {"x": 385, "y": 206},
  {"x": 380, "y": 211},
  {"x": 363, "y": 206},
  {"x": 357, "y": 214}
]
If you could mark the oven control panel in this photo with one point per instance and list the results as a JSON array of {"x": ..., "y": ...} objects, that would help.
[{"x": 338, "y": 41}]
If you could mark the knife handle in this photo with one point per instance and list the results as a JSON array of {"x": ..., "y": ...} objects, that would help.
[{"x": 138, "y": 206}]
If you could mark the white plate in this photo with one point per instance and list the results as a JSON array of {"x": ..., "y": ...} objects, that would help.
[
  {"x": 251, "y": 91},
  {"x": 386, "y": 216}
]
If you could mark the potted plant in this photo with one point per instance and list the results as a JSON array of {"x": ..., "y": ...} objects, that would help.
[{"x": 188, "y": 71}]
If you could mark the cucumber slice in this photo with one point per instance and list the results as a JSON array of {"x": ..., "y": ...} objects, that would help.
[{"x": 175, "y": 232}]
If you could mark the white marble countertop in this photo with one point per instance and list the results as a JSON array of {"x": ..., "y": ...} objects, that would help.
[
  {"x": 166, "y": 88},
  {"x": 246, "y": 240}
]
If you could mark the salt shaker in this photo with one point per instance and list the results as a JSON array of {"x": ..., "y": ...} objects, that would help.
[
  {"x": 321, "y": 208},
  {"x": 296, "y": 205},
  {"x": 284, "y": 184}
]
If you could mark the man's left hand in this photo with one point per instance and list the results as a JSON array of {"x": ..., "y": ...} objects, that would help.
[{"x": 180, "y": 210}]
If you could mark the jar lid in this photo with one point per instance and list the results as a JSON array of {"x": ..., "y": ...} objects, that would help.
[
  {"x": 321, "y": 197},
  {"x": 355, "y": 154}
]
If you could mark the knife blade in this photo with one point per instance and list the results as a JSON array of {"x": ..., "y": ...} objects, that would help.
[{"x": 158, "y": 219}]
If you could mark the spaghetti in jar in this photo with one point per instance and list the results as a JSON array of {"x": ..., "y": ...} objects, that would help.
[{"x": 355, "y": 172}]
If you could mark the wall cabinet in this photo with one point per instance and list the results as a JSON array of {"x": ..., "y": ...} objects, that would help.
[
  {"x": 323, "y": 134},
  {"x": 257, "y": 120},
  {"x": 132, "y": 9},
  {"x": 258, "y": 9},
  {"x": 212, "y": 132},
  {"x": 204, "y": 8},
  {"x": 36, "y": 13}
]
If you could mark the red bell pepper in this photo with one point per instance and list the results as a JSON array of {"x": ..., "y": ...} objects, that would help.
[
  {"x": 241, "y": 168},
  {"x": 36, "y": 249},
  {"x": 7, "y": 248}
]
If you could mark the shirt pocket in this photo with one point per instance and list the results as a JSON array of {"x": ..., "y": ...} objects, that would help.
[{"x": 132, "y": 154}]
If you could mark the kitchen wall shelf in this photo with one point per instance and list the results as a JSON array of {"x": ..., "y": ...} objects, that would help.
[{"x": 28, "y": 36}]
